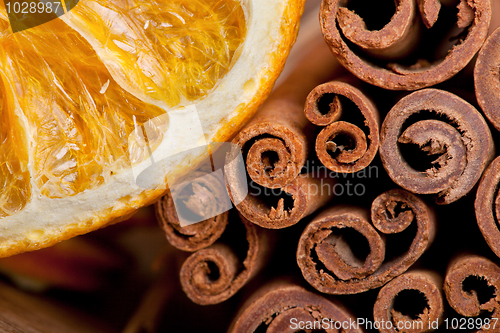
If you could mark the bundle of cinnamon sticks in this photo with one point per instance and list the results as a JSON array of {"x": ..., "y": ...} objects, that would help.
[{"x": 368, "y": 205}]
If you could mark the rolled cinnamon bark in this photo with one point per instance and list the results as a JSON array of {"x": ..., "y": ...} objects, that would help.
[
  {"x": 195, "y": 236},
  {"x": 360, "y": 47},
  {"x": 487, "y": 78},
  {"x": 343, "y": 146},
  {"x": 214, "y": 274},
  {"x": 433, "y": 142},
  {"x": 275, "y": 145},
  {"x": 471, "y": 286},
  {"x": 285, "y": 307},
  {"x": 487, "y": 205},
  {"x": 303, "y": 196},
  {"x": 429, "y": 11},
  {"x": 411, "y": 302},
  {"x": 341, "y": 252}
]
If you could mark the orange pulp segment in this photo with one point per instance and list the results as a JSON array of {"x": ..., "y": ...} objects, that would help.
[
  {"x": 165, "y": 52},
  {"x": 78, "y": 119}
]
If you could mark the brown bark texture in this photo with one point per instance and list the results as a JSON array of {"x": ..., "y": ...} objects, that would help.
[
  {"x": 358, "y": 143},
  {"x": 275, "y": 145},
  {"x": 272, "y": 308},
  {"x": 330, "y": 265},
  {"x": 374, "y": 53},
  {"x": 468, "y": 303},
  {"x": 487, "y": 206},
  {"x": 426, "y": 288},
  {"x": 214, "y": 274},
  {"x": 434, "y": 142},
  {"x": 192, "y": 237},
  {"x": 487, "y": 78}
]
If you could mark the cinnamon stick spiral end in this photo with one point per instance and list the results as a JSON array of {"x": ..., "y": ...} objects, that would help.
[
  {"x": 472, "y": 286},
  {"x": 190, "y": 237},
  {"x": 343, "y": 146},
  {"x": 214, "y": 274},
  {"x": 374, "y": 53},
  {"x": 412, "y": 302},
  {"x": 200, "y": 197},
  {"x": 194, "y": 212},
  {"x": 433, "y": 142},
  {"x": 341, "y": 252},
  {"x": 392, "y": 40},
  {"x": 202, "y": 194},
  {"x": 285, "y": 307},
  {"x": 394, "y": 210},
  {"x": 329, "y": 237},
  {"x": 303, "y": 196},
  {"x": 275, "y": 150}
]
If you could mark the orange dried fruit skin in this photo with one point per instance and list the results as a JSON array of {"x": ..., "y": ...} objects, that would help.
[
  {"x": 168, "y": 52},
  {"x": 83, "y": 118}
]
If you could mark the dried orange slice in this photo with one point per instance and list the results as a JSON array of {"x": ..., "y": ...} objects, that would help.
[{"x": 76, "y": 92}]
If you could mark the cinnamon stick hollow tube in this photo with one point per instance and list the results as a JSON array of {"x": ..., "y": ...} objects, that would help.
[
  {"x": 281, "y": 208},
  {"x": 276, "y": 141},
  {"x": 412, "y": 303},
  {"x": 433, "y": 142},
  {"x": 343, "y": 146},
  {"x": 471, "y": 286},
  {"x": 285, "y": 307},
  {"x": 487, "y": 205},
  {"x": 487, "y": 78},
  {"x": 192, "y": 237},
  {"x": 326, "y": 250},
  {"x": 362, "y": 49},
  {"x": 214, "y": 274}
]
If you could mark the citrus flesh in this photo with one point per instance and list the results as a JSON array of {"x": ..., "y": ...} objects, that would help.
[
  {"x": 178, "y": 52},
  {"x": 75, "y": 91}
]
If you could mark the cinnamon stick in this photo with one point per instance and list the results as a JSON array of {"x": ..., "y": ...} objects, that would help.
[
  {"x": 276, "y": 140},
  {"x": 411, "y": 302},
  {"x": 303, "y": 196},
  {"x": 463, "y": 286},
  {"x": 285, "y": 307},
  {"x": 324, "y": 107},
  {"x": 487, "y": 205},
  {"x": 276, "y": 144},
  {"x": 364, "y": 50},
  {"x": 433, "y": 142},
  {"x": 214, "y": 274},
  {"x": 195, "y": 236},
  {"x": 330, "y": 237},
  {"x": 487, "y": 78}
]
